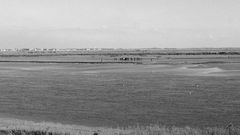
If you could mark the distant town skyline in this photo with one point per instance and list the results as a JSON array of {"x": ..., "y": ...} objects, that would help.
[{"x": 119, "y": 23}]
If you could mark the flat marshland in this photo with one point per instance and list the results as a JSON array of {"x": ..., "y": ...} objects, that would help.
[{"x": 201, "y": 92}]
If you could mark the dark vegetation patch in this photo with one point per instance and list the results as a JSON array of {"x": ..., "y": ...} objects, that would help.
[{"x": 149, "y": 130}]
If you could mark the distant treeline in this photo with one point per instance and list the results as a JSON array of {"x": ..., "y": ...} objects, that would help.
[{"x": 126, "y": 52}]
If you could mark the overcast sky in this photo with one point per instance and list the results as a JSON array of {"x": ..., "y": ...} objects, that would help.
[{"x": 119, "y": 23}]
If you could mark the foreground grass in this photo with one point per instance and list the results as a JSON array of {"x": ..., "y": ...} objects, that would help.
[{"x": 20, "y": 127}]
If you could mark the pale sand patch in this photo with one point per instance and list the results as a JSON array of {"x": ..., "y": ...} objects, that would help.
[{"x": 194, "y": 70}]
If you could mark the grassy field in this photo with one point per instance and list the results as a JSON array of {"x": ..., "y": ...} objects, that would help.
[
  {"x": 121, "y": 94},
  {"x": 20, "y": 127},
  {"x": 175, "y": 95},
  {"x": 148, "y": 59}
]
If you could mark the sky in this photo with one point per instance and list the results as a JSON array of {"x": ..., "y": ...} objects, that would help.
[{"x": 119, "y": 23}]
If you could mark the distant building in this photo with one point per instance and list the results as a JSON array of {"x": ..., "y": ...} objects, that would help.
[
  {"x": 24, "y": 50},
  {"x": 52, "y": 50},
  {"x": 45, "y": 49},
  {"x": 36, "y": 49},
  {"x": 6, "y": 50}
]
